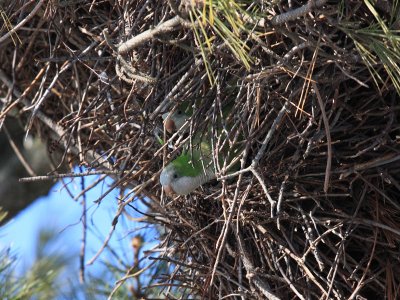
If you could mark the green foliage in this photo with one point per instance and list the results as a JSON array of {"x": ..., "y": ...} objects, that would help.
[
  {"x": 379, "y": 43},
  {"x": 39, "y": 282},
  {"x": 228, "y": 20},
  {"x": 3, "y": 214},
  {"x": 8, "y": 26}
]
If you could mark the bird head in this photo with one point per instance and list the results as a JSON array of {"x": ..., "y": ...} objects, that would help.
[
  {"x": 175, "y": 120},
  {"x": 181, "y": 176}
]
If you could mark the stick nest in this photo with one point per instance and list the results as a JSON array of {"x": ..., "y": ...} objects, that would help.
[{"x": 314, "y": 211}]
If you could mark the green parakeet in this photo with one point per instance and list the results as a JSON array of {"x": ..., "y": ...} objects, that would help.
[
  {"x": 193, "y": 167},
  {"x": 175, "y": 120},
  {"x": 188, "y": 171}
]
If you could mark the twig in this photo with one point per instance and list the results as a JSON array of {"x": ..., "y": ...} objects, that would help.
[
  {"x": 70, "y": 175},
  {"x": 361, "y": 282},
  {"x": 126, "y": 67},
  {"x": 164, "y": 27},
  {"x": 264, "y": 187},
  {"x": 251, "y": 272},
  {"x": 310, "y": 238},
  {"x": 170, "y": 96},
  {"x": 84, "y": 235},
  {"x": 22, "y": 23},
  {"x": 40, "y": 101},
  {"x": 328, "y": 138},
  {"x": 18, "y": 153},
  {"x": 280, "y": 198},
  {"x": 121, "y": 281},
  {"x": 377, "y": 162},
  {"x": 105, "y": 243},
  {"x": 291, "y": 285},
  {"x": 298, "y": 12},
  {"x": 269, "y": 135},
  {"x": 57, "y": 130}
]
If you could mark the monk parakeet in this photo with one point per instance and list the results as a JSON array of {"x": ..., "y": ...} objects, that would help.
[
  {"x": 193, "y": 167},
  {"x": 187, "y": 172},
  {"x": 175, "y": 120}
]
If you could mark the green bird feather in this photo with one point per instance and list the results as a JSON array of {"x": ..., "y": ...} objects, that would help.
[
  {"x": 188, "y": 171},
  {"x": 195, "y": 166}
]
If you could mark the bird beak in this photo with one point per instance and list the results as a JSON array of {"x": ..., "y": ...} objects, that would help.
[
  {"x": 169, "y": 125},
  {"x": 168, "y": 190}
]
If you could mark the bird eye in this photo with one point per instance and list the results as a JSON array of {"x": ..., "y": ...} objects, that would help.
[
  {"x": 179, "y": 112},
  {"x": 175, "y": 176}
]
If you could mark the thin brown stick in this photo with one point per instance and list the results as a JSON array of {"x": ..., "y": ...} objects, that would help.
[{"x": 328, "y": 138}]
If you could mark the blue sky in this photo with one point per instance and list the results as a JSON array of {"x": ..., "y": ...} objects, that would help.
[{"x": 59, "y": 212}]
